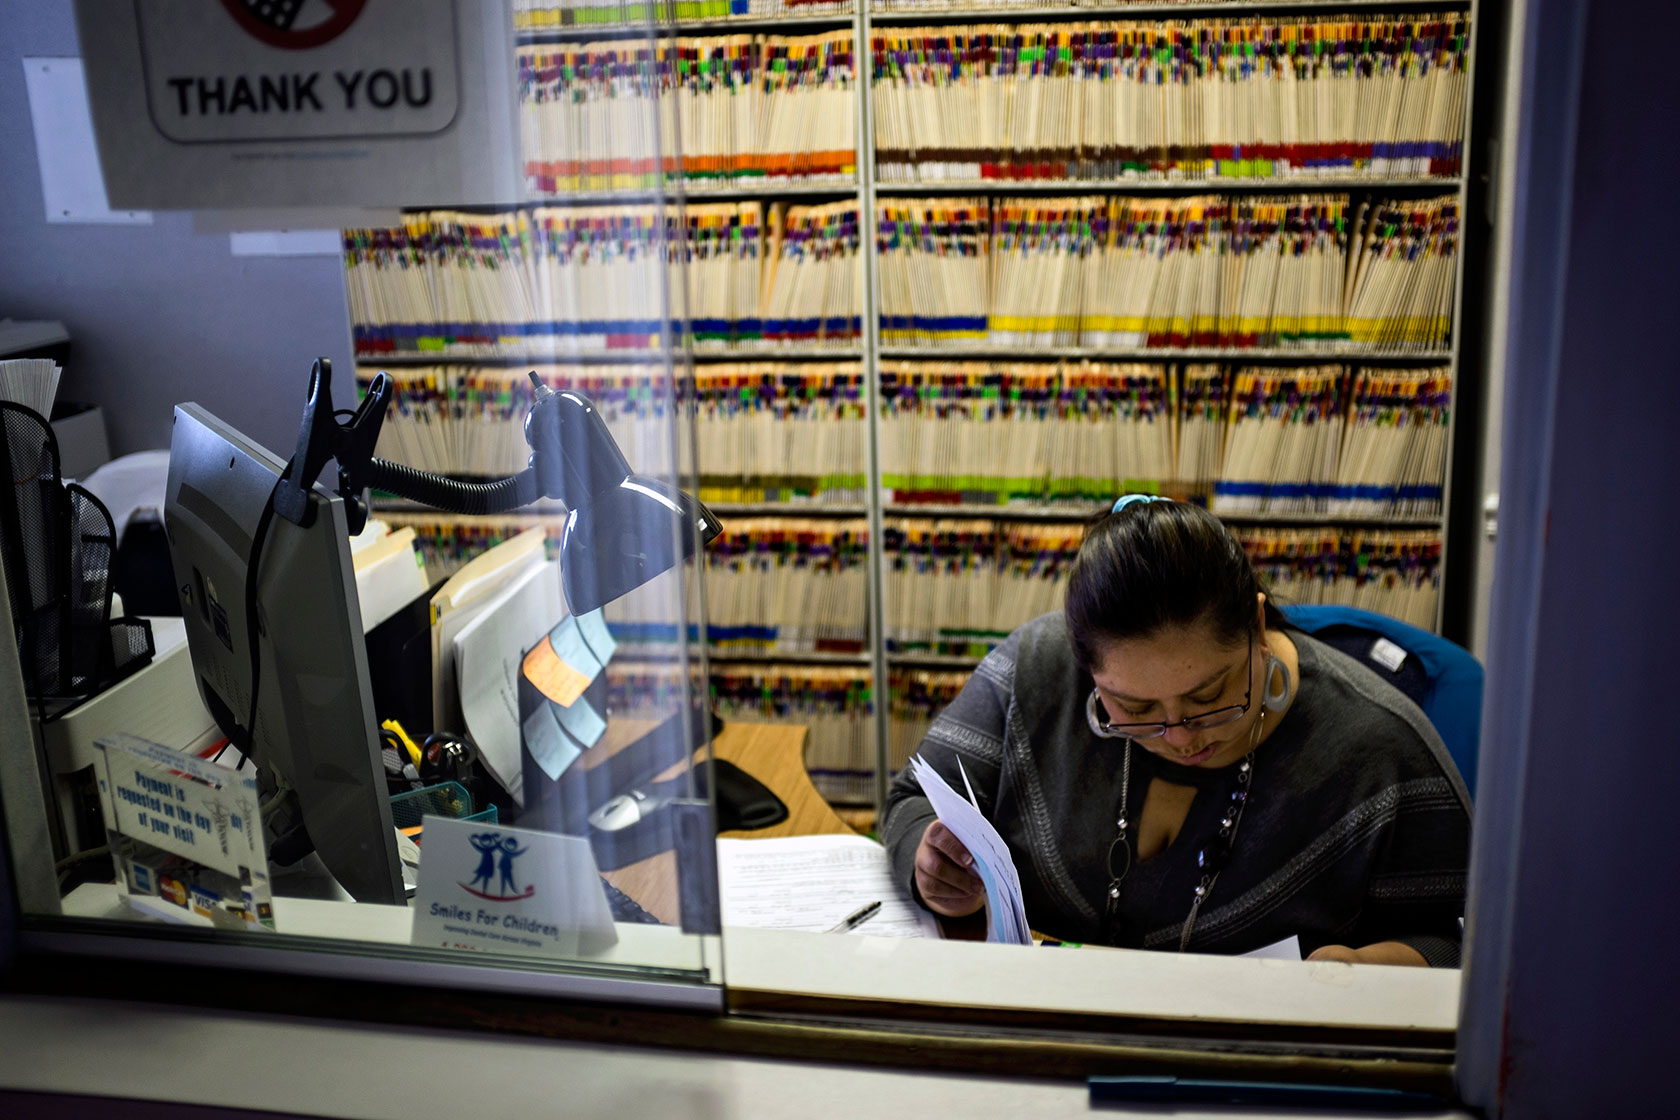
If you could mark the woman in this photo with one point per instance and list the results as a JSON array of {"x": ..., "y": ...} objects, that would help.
[{"x": 1172, "y": 768}]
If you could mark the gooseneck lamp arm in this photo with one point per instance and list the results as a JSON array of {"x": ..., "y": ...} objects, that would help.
[{"x": 615, "y": 519}]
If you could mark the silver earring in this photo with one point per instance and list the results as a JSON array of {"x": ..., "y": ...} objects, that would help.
[
  {"x": 1098, "y": 727},
  {"x": 1276, "y": 701}
]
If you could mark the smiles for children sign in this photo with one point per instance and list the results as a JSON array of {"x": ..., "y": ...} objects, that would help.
[{"x": 491, "y": 889}]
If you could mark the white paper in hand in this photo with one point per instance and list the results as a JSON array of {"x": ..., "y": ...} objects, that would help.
[{"x": 1006, "y": 914}]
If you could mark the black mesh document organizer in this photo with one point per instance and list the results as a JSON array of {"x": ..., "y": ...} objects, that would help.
[{"x": 58, "y": 544}]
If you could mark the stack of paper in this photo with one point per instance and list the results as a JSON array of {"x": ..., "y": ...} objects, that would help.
[
  {"x": 1394, "y": 455},
  {"x": 971, "y": 432},
  {"x": 1286, "y": 272},
  {"x": 1282, "y": 445},
  {"x": 1006, "y": 914},
  {"x": 466, "y": 419},
  {"x": 939, "y": 588},
  {"x": 489, "y": 651},
  {"x": 766, "y": 431},
  {"x": 1395, "y": 572},
  {"x": 735, "y": 106},
  {"x": 1401, "y": 281},
  {"x": 1202, "y": 414},
  {"x": 915, "y": 697},
  {"x": 461, "y": 599},
  {"x": 778, "y": 432},
  {"x": 813, "y": 282},
  {"x": 586, "y": 280},
  {"x": 788, "y": 585},
  {"x": 1033, "y": 569},
  {"x": 933, "y": 259},
  {"x": 550, "y": 15},
  {"x": 390, "y": 572},
  {"x": 958, "y": 587},
  {"x": 31, "y": 382},
  {"x": 1039, "y": 247},
  {"x": 1249, "y": 97}
]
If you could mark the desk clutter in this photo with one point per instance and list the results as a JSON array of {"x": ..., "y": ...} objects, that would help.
[{"x": 58, "y": 543}]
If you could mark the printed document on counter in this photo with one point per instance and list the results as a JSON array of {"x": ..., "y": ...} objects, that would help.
[{"x": 814, "y": 883}]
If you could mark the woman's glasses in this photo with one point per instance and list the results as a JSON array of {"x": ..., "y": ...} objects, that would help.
[{"x": 1218, "y": 717}]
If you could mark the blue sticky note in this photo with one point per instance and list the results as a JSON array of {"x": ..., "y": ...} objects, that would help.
[
  {"x": 581, "y": 721},
  {"x": 551, "y": 747},
  {"x": 594, "y": 630},
  {"x": 570, "y": 647}
]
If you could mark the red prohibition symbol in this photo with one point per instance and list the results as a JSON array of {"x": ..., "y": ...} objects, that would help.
[{"x": 295, "y": 24}]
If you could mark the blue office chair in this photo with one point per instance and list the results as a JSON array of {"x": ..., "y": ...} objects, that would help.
[{"x": 1439, "y": 676}]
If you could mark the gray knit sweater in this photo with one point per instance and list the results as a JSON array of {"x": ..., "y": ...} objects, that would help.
[{"x": 1357, "y": 828}]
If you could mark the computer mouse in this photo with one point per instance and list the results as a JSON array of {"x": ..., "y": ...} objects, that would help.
[{"x": 623, "y": 811}]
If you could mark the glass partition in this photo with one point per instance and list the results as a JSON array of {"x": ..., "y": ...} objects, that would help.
[
  {"x": 691, "y": 483},
  {"x": 410, "y": 673}
]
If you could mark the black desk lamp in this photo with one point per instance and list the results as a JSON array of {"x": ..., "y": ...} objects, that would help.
[{"x": 621, "y": 528}]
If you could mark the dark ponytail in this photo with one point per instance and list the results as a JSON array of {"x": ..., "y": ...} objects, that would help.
[{"x": 1158, "y": 564}]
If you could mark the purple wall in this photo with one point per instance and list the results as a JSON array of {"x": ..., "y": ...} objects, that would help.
[
  {"x": 1573, "y": 976},
  {"x": 157, "y": 314}
]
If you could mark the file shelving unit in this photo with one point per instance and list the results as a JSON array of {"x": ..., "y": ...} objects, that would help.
[{"x": 871, "y": 351}]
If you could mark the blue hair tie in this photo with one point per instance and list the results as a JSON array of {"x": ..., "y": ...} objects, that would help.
[{"x": 1131, "y": 499}]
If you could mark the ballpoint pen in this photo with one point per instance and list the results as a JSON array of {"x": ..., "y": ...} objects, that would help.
[{"x": 857, "y": 918}]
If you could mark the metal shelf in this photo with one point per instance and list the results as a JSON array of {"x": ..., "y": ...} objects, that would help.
[
  {"x": 393, "y": 504},
  {"x": 1086, "y": 512},
  {"x": 692, "y": 192},
  {"x": 1352, "y": 521},
  {"x": 1307, "y": 185},
  {"x": 573, "y": 33},
  {"x": 611, "y": 357},
  {"x": 789, "y": 509},
  {"x": 931, "y": 661},
  {"x": 716, "y": 655},
  {"x": 1000, "y": 513},
  {"x": 1189, "y": 354},
  {"x": 640, "y": 652},
  {"x": 1151, "y": 9},
  {"x": 1069, "y": 513}
]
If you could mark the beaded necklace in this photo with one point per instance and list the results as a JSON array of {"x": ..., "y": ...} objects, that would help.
[{"x": 1211, "y": 860}]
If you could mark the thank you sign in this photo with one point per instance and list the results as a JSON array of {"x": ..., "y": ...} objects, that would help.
[
  {"x": 509, "y": 890},
  {"x": 293, "y": 69},
  {"x": 302, "y": 102}
]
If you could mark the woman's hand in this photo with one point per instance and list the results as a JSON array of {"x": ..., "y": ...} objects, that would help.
[
  {"x": 1382, "y": 952},
  {"x": 943, "y": 874}
]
